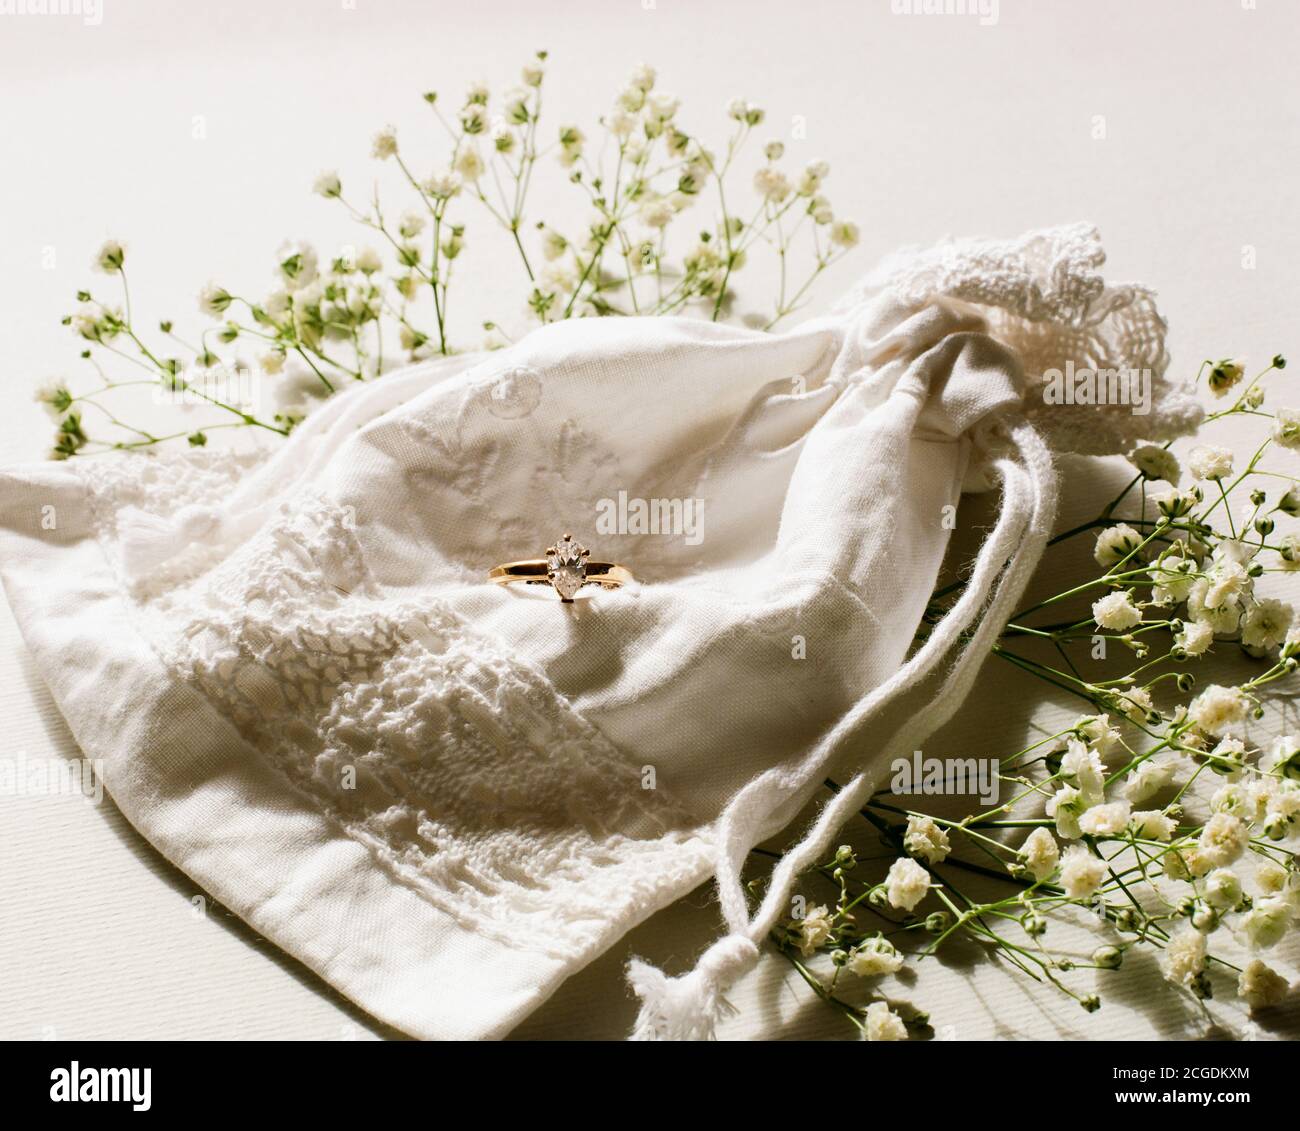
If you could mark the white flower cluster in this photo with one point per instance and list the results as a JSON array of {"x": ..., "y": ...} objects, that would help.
[{"x": 325, "y": 325}]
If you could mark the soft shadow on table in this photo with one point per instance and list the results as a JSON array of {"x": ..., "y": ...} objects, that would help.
[{"x": 62, "y": 743}]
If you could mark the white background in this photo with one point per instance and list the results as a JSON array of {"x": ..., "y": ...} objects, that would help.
[{"x": 193, "y": 132}]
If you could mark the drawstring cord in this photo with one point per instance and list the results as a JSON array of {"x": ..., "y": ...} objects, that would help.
[{"x": 689, "y": 1007}]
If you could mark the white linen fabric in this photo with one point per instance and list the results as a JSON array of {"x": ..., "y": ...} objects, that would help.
[{"x": 444, "y": 796}]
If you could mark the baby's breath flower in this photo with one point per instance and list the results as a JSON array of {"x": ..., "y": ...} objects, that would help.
[
  {"x": 1184, "y": 957},
  {"x": 1228, "y": 579},
  {"x": 621, "y": 123},
  {"x": 110, "y": 257},
  {"x": 86, "y": 322},
  {"x": 844, "y": 233},
  {"x": 442, "y": 186},
  {"x": 272, "y": 362},
  {"x": 533, "y": 73},
  {"x": 630, "y": 99},
  {"x": 774, "y": 150},
  {"x": 1172, "y": 576},
  {"x": 1266, "y": 623},
  {"x": 1115, "y": 543},
  {"x": 474, "y": 119},
  {"x": 738, "y": 109},
  {"x": 1223, "y": 889},
  {"x": 1155, "y": 462},
  {"x": 819, "y": 208},
  {"x": 1260, "y": 986},
  {"x": 1286, "y": 427},
  {"x": 1222, "y": 840},
  {"x": 554, "y": 245},
  {"x": 1283, "y": 757},
  {"x": 56, "y": 398},
  {"x": 454, "y": 242},
  {"x": 1040, "y": 853},
  {"x": 657, "y": 212},
  {"x": 811, "y": 178},
  {"x": 1106, "y": 820},
  {"x": 1082, "y": 767},
  {"x": 1097, "y": 731},
  {"x": 873, "y": 957},
  {"x": 1225, "y": 375},
  {"x": 214, "y": 300},
  {"x": 297, "y": 263},
  {"x": 1136, "y": 705},
  {"x": 410, "y": 225},
  {"x": 1218, "y": 709},
  {"x": 516, "y": 107},
  {"x": 906, "y": 883},
  {"x": 660, "y": 108},
  {"x": 571, "y": 143},
  {"x": 384, "y": 143},
  {"x": 642, "y": 78},
  {"x": 327, "y": 184},
  {"x": 1271, "y": 877},
  {"x": 503, "y": 138},
  {"x": 368, "y": 261},
  {"x": 1223, "y": 616},
  {"x": 883, "y": 1024},
  {"x": 1228, "y": 756},
  {"x": 1266, "y": 923},
  {"x": 1195, "y": 638},
  {"x": 1149, "y": 778},
  {"x": 1081, "y": 872},
  {"x": 815, "y": 929},
  {"x": 1153, "y": 824},
  {"x": 1290, "y": 502},
  {"x": 1173, "y": 503},
  {"x": 469, "y": 163},
  {"x": 408, "y": 286},
  {"x": 1116, "y": 612},
  {"x": 771, "y": 184},
  {"x": 925, "y": 840},
  {"x": 1288, "y": 551},
  {"x": 1210, "y": 462},
  {"x": 1065, "y": 806}
]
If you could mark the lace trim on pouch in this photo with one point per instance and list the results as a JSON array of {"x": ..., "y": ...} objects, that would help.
[{"x": 458, "y": 765}]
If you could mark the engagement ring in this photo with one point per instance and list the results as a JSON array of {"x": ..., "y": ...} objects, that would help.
[{"x": 566, "y": 568}]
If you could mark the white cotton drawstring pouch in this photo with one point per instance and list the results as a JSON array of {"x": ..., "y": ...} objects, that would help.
[{"x": 446, "y": 796}]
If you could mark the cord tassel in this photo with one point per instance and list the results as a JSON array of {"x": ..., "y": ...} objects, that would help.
[{"x": 688, "y": 1008}]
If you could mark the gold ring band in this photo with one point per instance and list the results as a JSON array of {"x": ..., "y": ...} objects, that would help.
[{"x": 566, "y": 568}]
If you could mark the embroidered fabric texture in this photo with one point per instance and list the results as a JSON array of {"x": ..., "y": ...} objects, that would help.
[{"x": 459, "y": 765}]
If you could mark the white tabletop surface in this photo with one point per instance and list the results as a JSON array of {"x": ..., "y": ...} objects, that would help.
[{"x": 193, "y": 132}]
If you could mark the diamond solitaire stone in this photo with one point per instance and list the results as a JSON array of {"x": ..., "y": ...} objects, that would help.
[{"x": 566, "y": 566}]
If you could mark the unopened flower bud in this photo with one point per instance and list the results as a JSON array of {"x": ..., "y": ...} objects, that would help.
[
  {"x": 1108, "y": 957},
  {"x": 937, "y": 922}
]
